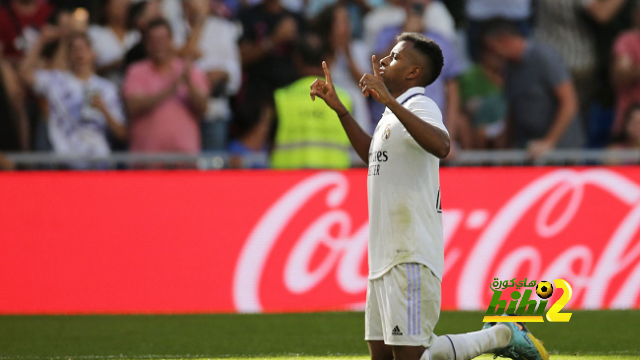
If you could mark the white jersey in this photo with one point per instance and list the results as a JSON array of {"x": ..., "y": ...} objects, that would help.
[{"x": 405, "y": 218}]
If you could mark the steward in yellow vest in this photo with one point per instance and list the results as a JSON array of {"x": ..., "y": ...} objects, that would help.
[{"x": 309, "y": 134}]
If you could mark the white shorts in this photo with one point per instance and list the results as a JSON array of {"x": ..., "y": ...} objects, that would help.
[{"x": 403, "y": 306}]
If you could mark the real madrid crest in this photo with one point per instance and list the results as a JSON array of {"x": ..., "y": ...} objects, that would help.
[{"x": 386, "y": 133}]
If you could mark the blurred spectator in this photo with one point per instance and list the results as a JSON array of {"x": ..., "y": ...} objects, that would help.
[
  {"x": 165, "y": 97},
  {"x": 309, "y": 134},
  {"x": 356, "y": 10},
  {"x": 348, "y": 58},
  {"x": 444, "y": 91},
  {"x": 253, "y": 144},
  {"x": 266, "y": 47},
  {"x": 601, "y": 114},
  {"x": 436, "y": 18},
  {"x": 562, "y": 25},
  {"x": 211, "y": 42},
  {"x": 139, "y": 15},
  {"x": 540, "y": 95},
  {"x": 112, "y": 39},
  {"x": 626, "y": 71},
  {"x": 482, "y": 99},
  {"x": 20, "y": 23},
  {"x": 83, "y": 108},
  {"x": 54, "y": 56},
  {"x": 479, "y": 11},
  {"x": 14, "y": 127},
  {"x": 629, "y": 137}
]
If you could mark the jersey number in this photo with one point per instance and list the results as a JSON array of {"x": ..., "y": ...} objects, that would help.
[{"x": 439, "y": 203}]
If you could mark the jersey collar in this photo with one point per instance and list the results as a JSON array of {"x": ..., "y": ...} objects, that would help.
[
  {"x": 414, "y": 90},
  {"x": 407, "y": 94}
]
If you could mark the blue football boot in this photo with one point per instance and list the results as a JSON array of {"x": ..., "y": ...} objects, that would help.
[{"x": 523, "y": 344}]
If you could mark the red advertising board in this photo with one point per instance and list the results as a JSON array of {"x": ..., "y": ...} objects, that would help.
[{"x": 269, "y": 241}]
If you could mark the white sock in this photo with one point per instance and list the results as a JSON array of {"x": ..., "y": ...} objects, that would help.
[{"x": 468, "y": 346}]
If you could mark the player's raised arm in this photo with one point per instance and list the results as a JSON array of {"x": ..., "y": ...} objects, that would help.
[{"x": 324, "y": 89}]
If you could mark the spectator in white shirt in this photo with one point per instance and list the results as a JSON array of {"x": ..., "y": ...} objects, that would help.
[
  {"x": 211, "y": 43},
  {"x": 84, "y": 109},
  {"x": 112, "y": 39}
]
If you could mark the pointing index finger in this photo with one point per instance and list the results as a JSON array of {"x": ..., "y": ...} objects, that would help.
[
  {"x": 374, "y": 62},
  {"x": 327, "y": 73}
]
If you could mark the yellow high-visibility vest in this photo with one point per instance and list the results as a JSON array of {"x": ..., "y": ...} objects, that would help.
[{"x": 309, "y": 133}]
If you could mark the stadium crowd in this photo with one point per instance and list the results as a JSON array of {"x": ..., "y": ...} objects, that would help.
[{"x": 89, "y": 77}]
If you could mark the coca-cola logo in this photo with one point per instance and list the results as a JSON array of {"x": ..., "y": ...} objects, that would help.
[
  {"x": 346, "y": 251},
  {"x": 568, "y": 243},
  {"x": 578, "y": 225}
]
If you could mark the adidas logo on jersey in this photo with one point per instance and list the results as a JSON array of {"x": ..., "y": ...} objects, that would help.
[{"x": 396, "y": 331}]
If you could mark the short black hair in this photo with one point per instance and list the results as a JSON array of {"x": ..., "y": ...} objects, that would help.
[
  {"x": 429, "y": 49},
  {"x": 311, "y": 49},
  {"x": 159, "y": 22}
]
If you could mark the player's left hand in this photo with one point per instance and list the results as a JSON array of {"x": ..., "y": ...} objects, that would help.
[
  {"x": 373, "y": 85},
  {"x": 537, "y": 148}
]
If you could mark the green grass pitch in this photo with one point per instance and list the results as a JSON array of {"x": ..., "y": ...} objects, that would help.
[{"x": 590, "y": 335}]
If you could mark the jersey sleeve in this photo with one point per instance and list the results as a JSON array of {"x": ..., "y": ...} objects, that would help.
[{"x": 428, "y": 111}]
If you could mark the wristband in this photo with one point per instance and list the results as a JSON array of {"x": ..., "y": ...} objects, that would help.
[{"x": 339, "y": 116}]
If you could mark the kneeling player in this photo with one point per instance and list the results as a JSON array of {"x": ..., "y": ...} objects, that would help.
[{"x": 406, "y": 250}]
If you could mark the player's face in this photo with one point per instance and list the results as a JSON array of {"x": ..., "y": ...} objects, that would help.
[{"x": 393, "y": 67}]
